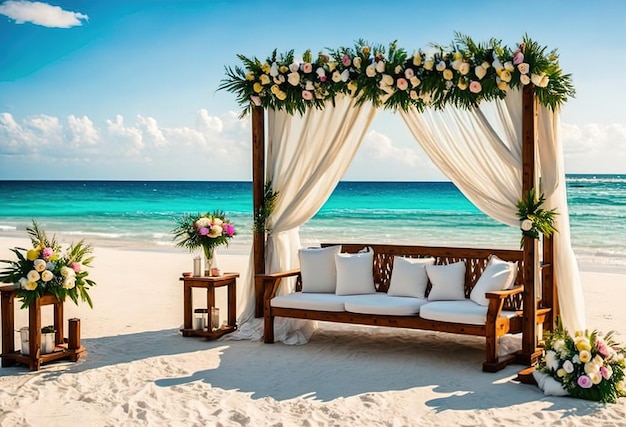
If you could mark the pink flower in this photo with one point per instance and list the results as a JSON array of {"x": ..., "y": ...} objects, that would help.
[
  {"x": 602, "y": 348},
  {"x": 322, "y": 78},
  {"x": 307, "y": 95},
  {"x": 307, "y": 67},
  {"x": 230, "y": 230},
  {"x": 584, "y": 381},
  {"x": 475, "y": 87},
  {"x": 76, "y": 267},
  {"x": 408, "y": 73},
  {"x": 256, "y": 100},
  {"x": 606, "y": 374},
  {"x": 402, "y": 84},
  {"x": 518, "y": 58},
  {"x": 346, "y": 61},
  {"x": 203, "y": 231},
  {"x": 47, "y": 253}
]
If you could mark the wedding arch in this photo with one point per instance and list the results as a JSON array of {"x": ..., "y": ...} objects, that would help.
[{"x": 486, "y": 115}]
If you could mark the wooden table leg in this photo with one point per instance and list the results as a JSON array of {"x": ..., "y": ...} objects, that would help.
[
  {"x": 58, "y": 323},
  {"x": 232, "y": 303},
  {"x": 187, "y": 306},
  {"x": 8, "y": 326}
]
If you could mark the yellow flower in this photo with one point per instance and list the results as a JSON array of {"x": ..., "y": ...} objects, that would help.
[
  {"x": 584, "y": 356},
  {"x": 457, "y": 56},
  {"x": 332, "y": 65},
  {"x": 352, "y": 86},
  {"x": 32, "y": 255},
  {"x": 595, "y": 377},
  {"x": 365, "y": 50},
  {"x": 281, "y": 95},
  {"x": 257, "y": 87},
  {"x": 583, "y": 345},
  {"x": 265, "y": 79},
  {"x": 462, "y": 84},
  {"x": 502, "y": 85},
  {"x": 275, "y": 89},
  {"x": 505, "y": 76},
  {"x": 447, "y": 74},
  {"x": 266, "y": 68},
  {"x": 283, "y": 69},
  {"x": 561, "y": 373},
  {"x": 417, "y": 59},
  {"x": 250, "y": 76}
]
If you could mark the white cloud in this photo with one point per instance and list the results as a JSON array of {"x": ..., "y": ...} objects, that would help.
[
  {"x": 41, "y": 14},
  {"x": 381, "y": 147}
]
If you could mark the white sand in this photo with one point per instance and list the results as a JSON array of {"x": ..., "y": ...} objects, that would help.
[{"x": 140, "y": 371}]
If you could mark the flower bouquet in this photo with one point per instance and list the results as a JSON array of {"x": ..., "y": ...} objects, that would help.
[
  {"x": 45, "y": 269},
  {"x": 206, "y": 231},
  {"x": 587, "y": 365}
]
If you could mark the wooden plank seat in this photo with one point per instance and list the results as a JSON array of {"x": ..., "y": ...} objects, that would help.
[{"x": 503, "y": 314}]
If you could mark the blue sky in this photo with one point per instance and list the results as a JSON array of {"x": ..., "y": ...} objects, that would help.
[{"x": 127, "y": 89}]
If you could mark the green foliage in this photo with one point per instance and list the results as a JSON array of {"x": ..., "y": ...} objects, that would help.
[
  {"x": 462, "y": 74},
  {"x": 263, "y": 213},
  {"x": 534, "y": 219}
]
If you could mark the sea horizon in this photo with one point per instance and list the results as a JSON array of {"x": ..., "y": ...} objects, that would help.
[{"x": 141, "y": 213}]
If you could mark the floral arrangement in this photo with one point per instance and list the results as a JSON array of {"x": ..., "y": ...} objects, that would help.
[
  {"x": 463, "y": 74},
  {"x": 533, "y": 218},
  {"x": 206, "y": 231},
  {"x": 587, "y": 365},
  {"x": 45, "y": 269}
]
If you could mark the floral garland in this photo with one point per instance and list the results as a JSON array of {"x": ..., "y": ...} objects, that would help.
[
  {"x": 463, "y": 74},
  {"x": 535, "y": 220},
  {"x": 45, "y": 269},
  {"x": 586, "y": 365}
]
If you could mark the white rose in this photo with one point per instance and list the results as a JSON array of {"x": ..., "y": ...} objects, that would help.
[
  {"x": 345, "y": 75},
  {"x": 464, "y": 68},
  {"x": 526, "y": 225},
  {"x": 440, "y": 66},
  {"x": 336, "y": 76},
  {"x": 380, "y": 66},
  {"x": 409, "y": 73},
  {"x": 456, "y": 64},
  {"x": 28, "y": 285},
  {"x": 568, "y": 366},
  {"x": 69, "y": 283},
  {"x": 274, "y": 69},
  {"x": 429, "y": 64},
  {"x": 544, "y": 81},
  {"x": 203, "y": 222},
  {"x": 480, "y": 72},
  {"x": 536, "y": 78},
  {"x": 508, "y": 65},
  {"x": 413, "y": 94},
  {"x": 357, "y": 61},
  {"x": 320, "y": 72},
  {"x": 33, "y": 276},
  {"x": 398, "y": 69},
  {"x": 370, "y": 71},
  {"x": 47, "y": 275},
  {"x": 39, "y": 264},
  {"x": 523, "y": 68},
  {"x": 524, "y": 79},
  {"x": 387, "y": 79},
  {"x": 67, "y": 271},
  {"x": 308, "y": 86},
  {"x": 215, "y": 231},
  {"x": 294, "y": 67},
  {"x": 293, "y": 79}
]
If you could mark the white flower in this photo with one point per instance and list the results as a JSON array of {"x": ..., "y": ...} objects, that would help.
[
  {"x": 32, "y": 276},
  {"x": 429, "y": 64},
  {"x": 308, "y": 86},
  {"x": 485, "y": 65},
  {"x": 596, "y": 377},
  {"x": 67, "y": 271},
  {"x": 415, "y": 81},
  {"x": 398, "y": 69},
  {"x": 274, "y": 69},
  {"x": 413, "y": 94},
  {"x": 370, "y": 71},
  {"x": 39, "y": 264},
  {"x": 523, "y": 68},
  {"x": 357, "y": 61},
  {"x": 279, "y": 79},
  {"x": 215, "y": 231},
  {"x": 464, "y": 68},
  {"x": 293, "y": 78},
  {"x": 294, "y": 67},
  {"x": 496, "y": 62},
  {"x": 456, "y": 64},
  {"x": 552, "y": 361},
  {"x": 524, "y": 79},
  {"x": 441, "y": 65},
  {"x": 409, "y": 73},
  {"x": 544, "y": 81},
  {"x": 69, "y": 282},
  {"x": 320, "y": 72},
  {"x": 336, "y": 76},
  {"x": 203, "y": 222},
  {"x": 526, "y": 225},
  {"x": 568, "y": 366},
  {"x": 536, "y": 78},
  {"x": 508, "y": 65},
  {"x": 380, "y": 66},
  {"x": 28, "y": 285},
  {"x": 387, "y": 79},
  {"x": 345, "y": 75},
  {"x": 47, "y": 275},
  {"x": 480, "y": 71}
]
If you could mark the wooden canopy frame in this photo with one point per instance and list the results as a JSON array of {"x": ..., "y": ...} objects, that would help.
[{"x": 534, "y": 271}]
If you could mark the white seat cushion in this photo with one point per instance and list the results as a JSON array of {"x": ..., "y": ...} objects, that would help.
[
  {"x": 310, "y": 301},
  {"x": 381, "y": 303},
  {"x": 467, "y": 312}
]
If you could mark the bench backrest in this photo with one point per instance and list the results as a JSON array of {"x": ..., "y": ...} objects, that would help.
[{"x": 475, "y": 262}]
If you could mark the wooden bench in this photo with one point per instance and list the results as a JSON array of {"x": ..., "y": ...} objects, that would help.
[{"x": 475, "y": 260}]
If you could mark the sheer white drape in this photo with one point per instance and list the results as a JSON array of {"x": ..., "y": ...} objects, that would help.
[
  {"x": 482, "y": 156},
  {"x": 307, "y": 156}
]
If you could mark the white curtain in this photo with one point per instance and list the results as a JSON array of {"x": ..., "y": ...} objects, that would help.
[
  {"x": 480, "y": 151},
  {"x": 307, "y": 156}
]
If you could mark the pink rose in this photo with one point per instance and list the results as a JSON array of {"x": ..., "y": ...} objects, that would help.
[
  {"x": 230, "y": 230},
  {"x": 518, "y": 58},
  {"x": 307, "y": 67},
  {"x": 584, "y": 381},
  {"x": 307, "y": 95},
  {"x": 346, "y": 61},
  {"x": 602, "y": 348},
  {"x": 475, "y": 87},
  {"x": 203, "y": 231},
  {"x": 76, "y": 267},
  {"x": 322, "y": 79},
  {"x": 402, "y": 84},
  {"x": 256, "y": 100},
  {"x": 408, "y": 73},
  {"x": 47, "y": 253}
]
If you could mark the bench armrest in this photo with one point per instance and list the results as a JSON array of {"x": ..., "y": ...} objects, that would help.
[
  {"x": 270, "y": 282},
  {"x": 505, "y": 293},
  {"x": 496, "y": 302}
]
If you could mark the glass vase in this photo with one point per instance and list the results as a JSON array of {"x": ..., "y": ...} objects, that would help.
[{"x": 209, "y": 254}]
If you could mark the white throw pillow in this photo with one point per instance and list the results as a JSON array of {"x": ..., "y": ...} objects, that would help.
[
  {"x": 495, "y": 260},
  {"x": 497, "y": 276},
  {"x": 317, "y": 267},
  {"x": 355, "y": 273},
  {"x": 448, "y": 282},
  {"x": 408, "y": 277}
]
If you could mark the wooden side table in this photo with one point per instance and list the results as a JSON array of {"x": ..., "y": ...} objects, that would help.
[
  {"x": 63, "y": 350},
  {"x": 209, "y": 283}
]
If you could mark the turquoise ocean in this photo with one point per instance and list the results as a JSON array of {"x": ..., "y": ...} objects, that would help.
[{"x": 141, "y": 214}]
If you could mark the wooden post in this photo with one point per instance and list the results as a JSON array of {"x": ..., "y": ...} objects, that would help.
[
  {"x": 549, "y": 297},
  {"x": 529, "y": 352},
  {"x": 258, "y": 193}
]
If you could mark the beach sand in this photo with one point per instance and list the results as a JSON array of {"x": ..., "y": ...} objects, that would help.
[{"x": 139, "y": 370}]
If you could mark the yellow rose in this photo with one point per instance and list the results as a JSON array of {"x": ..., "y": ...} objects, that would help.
[
  {"x": 505, "y": 76},
  {"x": 462, "y": 84},
  {"x": 561, "y": 373},
  {"x": 584, "y": 356},
  {"x": 447, "y": 74},
  {"x": 266, "y": 68},
  {"x": 332, "y": 66},
  {"x": 352, "y": 86},
  {"x": 281, "y": 95},
  {"x": 595, "y": 377},
  {"x": 583, "y": 345},
  {"x": 417, "y": 59},
  {"x": 250, "y": 76},
  {"x": 257, "y": 87},
  {"x": 457, "y": 56},
  {"x": 283, "y": 69},
  {"x": 265, "y": 79},
  {"x": 502, "y": 85},
  {"x": 32, "y": 255},
  {"x": 275, "y": 89},
  {"x": 366, "y": 51}
]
